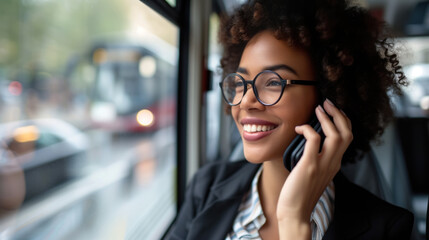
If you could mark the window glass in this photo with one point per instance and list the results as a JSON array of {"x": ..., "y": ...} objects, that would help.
[
  {"x": 221, "y": 135},
  {"x": 88, "y": 123},
  {"x": 212, "y": 100},
  {"x": 416, "y": 66},
  {"x": 171, "y": 2}
]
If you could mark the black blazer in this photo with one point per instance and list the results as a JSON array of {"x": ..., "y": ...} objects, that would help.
[{"x": 214, "y": 195}]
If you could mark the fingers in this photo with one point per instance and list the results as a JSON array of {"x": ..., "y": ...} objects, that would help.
[
  {"x": 337, "y": 131},
  {"x": 313, "y": 139},
  {"x": 342, "y": 122}
]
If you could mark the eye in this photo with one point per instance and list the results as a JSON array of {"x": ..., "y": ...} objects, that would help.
[
  {"x": 238, "y": 83},
  {"x": 238, "y": 86},
  {"x": 273, "y": 82}
]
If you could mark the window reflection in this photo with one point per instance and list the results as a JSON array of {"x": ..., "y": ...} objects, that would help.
[
  {"x": 87, "y": 130},
  {"x": 171, "y": 2}
]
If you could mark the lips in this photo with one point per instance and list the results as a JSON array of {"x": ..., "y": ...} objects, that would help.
[{"x": 255, "y": 129}]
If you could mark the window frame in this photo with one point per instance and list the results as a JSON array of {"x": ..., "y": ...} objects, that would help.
[
  {"x": 179, "y": 15},
  {"x": 173, "y": 14}
]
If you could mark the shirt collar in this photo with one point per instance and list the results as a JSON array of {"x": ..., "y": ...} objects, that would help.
[{"x": 252, "y": 204}]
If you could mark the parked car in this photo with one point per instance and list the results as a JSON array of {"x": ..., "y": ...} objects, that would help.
[{"x": 49, "y": 152}]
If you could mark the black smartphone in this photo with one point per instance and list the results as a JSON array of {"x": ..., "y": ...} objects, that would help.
[{"x": 296, "y": 148}]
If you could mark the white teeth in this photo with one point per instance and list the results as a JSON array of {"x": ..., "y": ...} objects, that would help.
[
  {"x": 253, "y": 129},
  {"x": 257, "y": 128}
]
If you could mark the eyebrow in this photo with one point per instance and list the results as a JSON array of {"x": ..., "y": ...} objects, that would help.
[{"x": 272, "y": 68}]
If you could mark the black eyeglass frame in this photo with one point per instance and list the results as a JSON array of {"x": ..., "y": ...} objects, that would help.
[{"x": 284, "y": 82}]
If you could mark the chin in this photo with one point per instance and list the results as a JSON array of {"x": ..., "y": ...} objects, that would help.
[
  {"x": 256, "y": 156},
  {"x": 254, "y": 161}
]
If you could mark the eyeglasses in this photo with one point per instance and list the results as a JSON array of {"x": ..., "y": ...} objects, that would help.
[{"x": 268, "y": 87}]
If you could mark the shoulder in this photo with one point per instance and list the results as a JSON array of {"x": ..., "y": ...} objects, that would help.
[
  {"x": 353, "y": 204},
  {"x": 213, "y": 174},
  {"x": 393, "y": 217},
  {"x": 219, "y": 170},
  {"x": 366, "y": 201}
]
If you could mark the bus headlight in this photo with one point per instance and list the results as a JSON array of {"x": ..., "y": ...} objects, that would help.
[
  {"x": 145, "y": 118},
  {"x": 147, "y": 66}
]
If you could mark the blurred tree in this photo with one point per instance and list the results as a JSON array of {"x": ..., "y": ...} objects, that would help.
[
  {"x": 9, "y": 12},
  {"x": 41, "y": 35}
]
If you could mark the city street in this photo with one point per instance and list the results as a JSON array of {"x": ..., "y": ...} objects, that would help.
[{"x": 119, "y": 198}]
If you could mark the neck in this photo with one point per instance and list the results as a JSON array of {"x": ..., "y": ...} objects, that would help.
[{"x": 270, "y": 184}]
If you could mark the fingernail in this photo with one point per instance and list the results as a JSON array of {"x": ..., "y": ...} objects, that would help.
[
  {"x": 321, "y": 109},
  {"x": 329, "y": 101},
  {"x": 343, "y": 112}
]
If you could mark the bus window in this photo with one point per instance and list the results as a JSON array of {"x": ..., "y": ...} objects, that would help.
[{"x": 88, "y": 96}]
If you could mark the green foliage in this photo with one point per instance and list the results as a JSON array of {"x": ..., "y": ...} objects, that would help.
[{"x": 42, "y": 35}]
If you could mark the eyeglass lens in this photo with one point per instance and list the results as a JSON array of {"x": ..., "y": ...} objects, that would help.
[{"x": 268, "y": 87}]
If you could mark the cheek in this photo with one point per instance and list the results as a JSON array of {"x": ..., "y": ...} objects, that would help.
[
  {"x": 290, "y": 118},
  {"x": 297, "y": 115},
  {"x": 234, "y": 114},
  {"x": 301, "y": 105},
  {"x": 299, "y": 110}
]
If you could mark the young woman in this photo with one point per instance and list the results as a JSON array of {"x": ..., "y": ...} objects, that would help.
[{"x": 283, "y": 61}]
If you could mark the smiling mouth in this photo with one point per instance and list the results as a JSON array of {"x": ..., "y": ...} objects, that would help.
[{"x": 253, "y": 128}]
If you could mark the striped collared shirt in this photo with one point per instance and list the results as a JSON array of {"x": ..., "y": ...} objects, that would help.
[{"x": 250, "y": 217}]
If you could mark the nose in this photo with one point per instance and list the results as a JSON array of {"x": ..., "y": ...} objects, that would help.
[{"x": 249, "y": 100}]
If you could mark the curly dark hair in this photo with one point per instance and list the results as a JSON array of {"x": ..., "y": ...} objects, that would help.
[{"x": 352, "y": 51}]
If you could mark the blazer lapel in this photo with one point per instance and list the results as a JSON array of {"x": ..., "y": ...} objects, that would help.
[
  {"x": 216, "y": 220},
  {"x": 349, "y": 219}
]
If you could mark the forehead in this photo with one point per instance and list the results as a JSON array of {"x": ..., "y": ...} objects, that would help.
[{"x": 264, "y": 50}]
